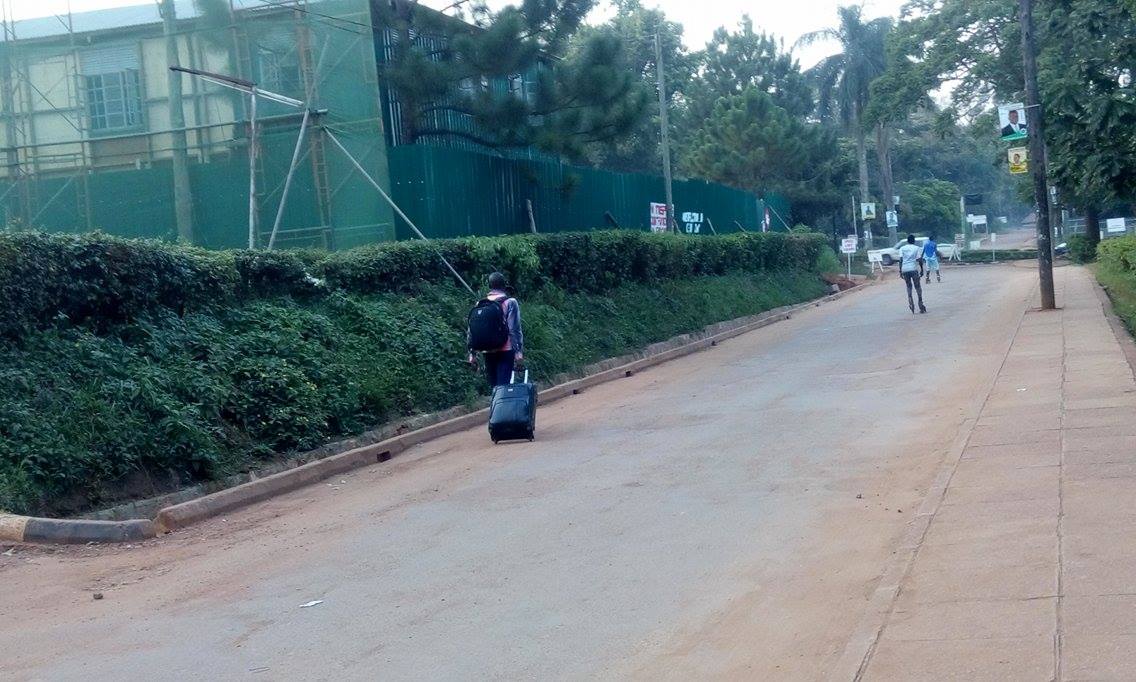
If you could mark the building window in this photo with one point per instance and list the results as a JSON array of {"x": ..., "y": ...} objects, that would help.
[
  {"x": 112, "y": 85},
  {"x": 114, "y": 100}
]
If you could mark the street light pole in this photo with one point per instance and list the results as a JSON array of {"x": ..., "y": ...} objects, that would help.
[
  {"x": 665, "y": 131},
  {"x": 1036, "y": 128}
]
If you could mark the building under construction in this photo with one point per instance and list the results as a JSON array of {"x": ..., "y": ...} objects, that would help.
[{"x": 97, "y": 133}]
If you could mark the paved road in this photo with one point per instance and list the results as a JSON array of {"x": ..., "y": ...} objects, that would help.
[{"x": 726, "y": 515}]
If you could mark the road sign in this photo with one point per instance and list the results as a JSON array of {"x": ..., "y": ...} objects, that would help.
[
  {"x": 893, "y": 219},
  {"x": 867, "y": 211},
  {"x": 960, "y": 240},
  {"x": 848, "y": 245},
  {"x": 658, "y": 217},
  {"x": 1019, "y": 160}
]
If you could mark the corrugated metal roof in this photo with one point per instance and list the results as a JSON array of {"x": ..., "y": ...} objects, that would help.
[{"x": 117, "y": 17}]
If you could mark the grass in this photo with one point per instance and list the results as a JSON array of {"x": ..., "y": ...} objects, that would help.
[{"x": 1121, "y": 288}]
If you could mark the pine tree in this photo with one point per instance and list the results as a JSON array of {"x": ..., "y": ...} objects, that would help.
[{"x": 508, "y": 79}]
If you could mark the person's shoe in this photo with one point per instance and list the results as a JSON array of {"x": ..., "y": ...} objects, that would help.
[
  {"x": 922, "y": 309},
  {"x": 938, "y": 279},
  {"x": 912, "y": 306}
]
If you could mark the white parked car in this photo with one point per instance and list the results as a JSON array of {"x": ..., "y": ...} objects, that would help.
[{"x": 890, "y": 256}]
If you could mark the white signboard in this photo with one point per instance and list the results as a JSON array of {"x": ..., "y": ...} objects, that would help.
[
  {"x": 976, "y": 220},
  {"x": 893, "y": 219},
  {"x": 1115, "y": 225},
  {"x": 1012, "y": 121},
  {"x": 868, "y": 211},
  {"x": 960, "y": 240},
  {"x": 848, "y": 245},
  {"x": 693, "y": 222},
  {"x": 658, "y": 217}
]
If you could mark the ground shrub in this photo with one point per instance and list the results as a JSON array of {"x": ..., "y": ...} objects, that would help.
[
  {"x": 178, "y": 365},
  {"x": 1081, "y": 249}
]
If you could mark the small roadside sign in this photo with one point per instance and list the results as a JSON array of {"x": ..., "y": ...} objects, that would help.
[
  {"x": 1115, "y": 226},
  {"x": 658, "y": 217},
  {"x": 867, "y": 210},
  {"x": 848, "y": 246},
  {"x": 893, "y": 219}
]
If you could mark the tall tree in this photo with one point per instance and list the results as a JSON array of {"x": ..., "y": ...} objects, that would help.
[
  {"x": 844, "y": 80},
  {"x": 1087, "y": 87},
  {"x": 634, "y": 26},
  {"x": 744, "y": 59},
  {"x": 1086, "y": 59},
  {"x": 751, "y": 143},
  {"x": 510, "y": 78}
]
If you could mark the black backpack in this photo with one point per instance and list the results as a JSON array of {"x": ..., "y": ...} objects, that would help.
[{"x": 488, "y": 330}]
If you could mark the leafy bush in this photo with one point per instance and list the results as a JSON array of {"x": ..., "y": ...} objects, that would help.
[
  {"x": 1081, "y": 249},
  {"x": 1118, "y": 254},
  {"x": 828, "y": 262},
  {"x": 102, "y": 281},
  {"x": 138, "y": 367}
]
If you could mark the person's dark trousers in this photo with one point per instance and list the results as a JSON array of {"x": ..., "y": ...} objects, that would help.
[
  {"x": 913, "y": 279},
  {"x": 499, "y": 367}
]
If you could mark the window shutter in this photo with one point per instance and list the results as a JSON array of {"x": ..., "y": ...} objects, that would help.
[{"x": 106, "y": 60}]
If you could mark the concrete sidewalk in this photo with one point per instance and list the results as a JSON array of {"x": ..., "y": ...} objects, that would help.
[{"x": 1027, "y": 565}]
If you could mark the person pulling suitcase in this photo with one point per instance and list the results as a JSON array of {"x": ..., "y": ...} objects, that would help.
[{"x": 495, "y": 331}]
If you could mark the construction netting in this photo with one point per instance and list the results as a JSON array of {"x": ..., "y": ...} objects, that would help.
[{"x": 91, "y": 143}]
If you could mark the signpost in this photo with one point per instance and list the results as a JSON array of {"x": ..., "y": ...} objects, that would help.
[
  {"x": 848, "y": 246},
  {"x": 960, "y": 243},
  {"x": 693, "y": 221},
  {"x": 658, "y": 217},
  {"x": 993, "y": 247}
]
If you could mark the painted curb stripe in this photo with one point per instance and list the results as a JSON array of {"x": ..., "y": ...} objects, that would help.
[{"x": 12, "y": 527}]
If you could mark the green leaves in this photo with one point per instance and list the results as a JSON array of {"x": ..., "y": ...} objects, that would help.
[
  {"x": 178, "y": 389},
  {"x": 751, "y": 143}
]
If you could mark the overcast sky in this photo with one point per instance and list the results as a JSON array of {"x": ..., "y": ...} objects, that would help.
[{"x": 786, "y": 18}]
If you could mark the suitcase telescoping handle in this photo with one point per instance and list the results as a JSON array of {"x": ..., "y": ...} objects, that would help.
[{"x": 513, "y": 379}]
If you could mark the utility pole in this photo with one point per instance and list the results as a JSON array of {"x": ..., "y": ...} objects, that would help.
[
  {"x": 664, "y": 126},
  {"x": 183, "y": 196},
  {"x": 1036, "y": 127}
]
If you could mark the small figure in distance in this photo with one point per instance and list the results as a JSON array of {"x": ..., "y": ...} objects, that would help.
[
  {"x": 931, "y": 259},
  {"x": 911, "y": 270}
]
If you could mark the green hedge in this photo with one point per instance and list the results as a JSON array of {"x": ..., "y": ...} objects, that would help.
[
  {"x": 1118, "y": 254},
  {"x": 101, "y": 281},
  {"x": 132, "y": 368}
]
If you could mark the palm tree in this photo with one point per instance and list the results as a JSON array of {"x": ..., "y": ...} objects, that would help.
[{"x": 843, "y": 81}]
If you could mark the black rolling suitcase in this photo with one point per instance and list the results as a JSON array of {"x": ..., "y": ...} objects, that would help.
[{"x": 512, "y": 412}]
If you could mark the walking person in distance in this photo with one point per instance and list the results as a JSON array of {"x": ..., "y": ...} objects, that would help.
[
  {"x": 495, "y": 331},
  {"x": 911, "y": 269},
  {"x": 931, "y": 259}
]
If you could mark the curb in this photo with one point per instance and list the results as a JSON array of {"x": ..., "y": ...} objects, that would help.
[
  {"x": 63, "y": 531},
  {"x": 1119, "y": 329},
  {"x": 72, "y": 532}
]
